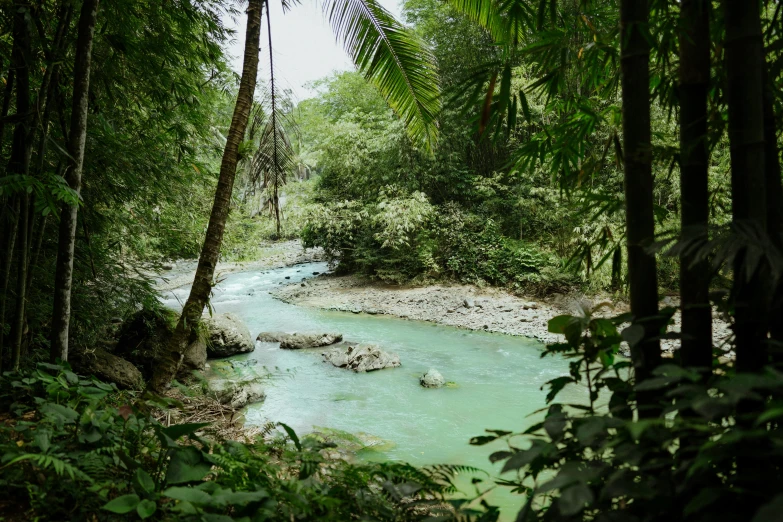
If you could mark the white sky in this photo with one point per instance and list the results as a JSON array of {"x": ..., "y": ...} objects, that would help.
[{"x": 304, "y": 47}]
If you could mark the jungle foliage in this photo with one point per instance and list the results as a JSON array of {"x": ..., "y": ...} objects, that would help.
[{"x": 77, "y": 449}]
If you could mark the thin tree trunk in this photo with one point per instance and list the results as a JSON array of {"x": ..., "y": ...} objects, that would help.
[
  {"x": 696, "y": 349},
  {"x": 7, "y": 93},
  {"x": 617, "y": 269},
  {"x": 7, "y": 261},
  {"x": 744, "y": 51},
  {"x": 637, "y": 164},
  {"x": 276, "y": 163},
  {"x": 17, "y": 332},
  {"x": 774, "y": 211},
  {"x": 61, "y": 313},
  {"x": 36, "y": 241},
  {"x": 19, "y": 164},
  {"x": 169, "y": 365}
]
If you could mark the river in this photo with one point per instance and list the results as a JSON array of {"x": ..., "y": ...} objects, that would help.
[{"x": 497, "y": 378}]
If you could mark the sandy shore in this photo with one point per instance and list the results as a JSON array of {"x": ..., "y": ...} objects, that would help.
[
  {"x": 462, "y": 306},
  {"x": 273, "y": 255}
]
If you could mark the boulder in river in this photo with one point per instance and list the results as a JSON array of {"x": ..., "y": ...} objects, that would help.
[
  {"x": 228, "y": 336},
  {"x": 111, "y": 368},
  {"x": 237, "y": 393},
  {"x": 309, "y": 340},
  {"x": 272, "y": 337},
  {"x": 432, "y": 379},
  {"x": 362, "y": 358}
]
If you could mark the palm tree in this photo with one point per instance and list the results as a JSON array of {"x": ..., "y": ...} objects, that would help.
[{"x": 388, "y": 54}]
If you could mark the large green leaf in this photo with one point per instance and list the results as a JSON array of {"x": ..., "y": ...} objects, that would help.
[
  {"x": 394, "y": 58},
  {"x": 187, "y": 465},
  {"x": 146, "y": 509},
  {"x": 123, "y": 504}
]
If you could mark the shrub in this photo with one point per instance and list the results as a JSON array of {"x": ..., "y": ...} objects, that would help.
[{"x": 75, "y": 448}]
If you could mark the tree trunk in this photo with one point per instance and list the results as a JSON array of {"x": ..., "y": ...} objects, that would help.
[
  {"x": 617, "y": 269},
  {"x": 744, "y": 52},
  {"x": 9, "y": 89},
  {"x": 696, "y": 349},
  {"x": 169, "y": 365},
  {"x": 19, "y": 164},
  {"x": 7, "y": 262},
  {"x": 17, "y": 332},
  {"x": 637, "y": 165},
  {"x": 61, "y": 313}
]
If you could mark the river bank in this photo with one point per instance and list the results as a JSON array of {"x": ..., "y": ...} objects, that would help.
[
  {"x": 462, "y": 306},
  {"x": 180, "y": 273}
]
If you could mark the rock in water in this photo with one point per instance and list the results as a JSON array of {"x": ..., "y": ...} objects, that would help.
[
  {"x": 228, "y": 336},
  {"x": 469, "y": 303},
  {"x": 109, "y": 367},
  {"x": 318, "y": 340},
  {"x": 272, "y": 337},
  {"x": 362, "y": 358},
  {"x": 432, "y": 379},
  {"x": 237, "y": 393}
]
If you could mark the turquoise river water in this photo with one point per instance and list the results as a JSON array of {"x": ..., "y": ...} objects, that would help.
[{"x": 498, "y": 377}]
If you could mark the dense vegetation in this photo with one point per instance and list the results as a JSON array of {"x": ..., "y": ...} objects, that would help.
[{"x": 629, "y": 146}]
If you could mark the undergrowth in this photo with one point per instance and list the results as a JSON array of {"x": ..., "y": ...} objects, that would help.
[{"x": 75, "y": 448}]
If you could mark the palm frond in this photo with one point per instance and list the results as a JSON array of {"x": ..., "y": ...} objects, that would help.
[
  {"x": 506, "y": 21},
  {"x": 275, "y": 156},
  {"x": 395, "y": 59}
]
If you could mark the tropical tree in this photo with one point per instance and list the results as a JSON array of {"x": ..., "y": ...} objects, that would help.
[{"x": 61, "y": 314}]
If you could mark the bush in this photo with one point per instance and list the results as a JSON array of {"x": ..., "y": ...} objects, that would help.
[
  {"x": 402, "y": 238},
  {"x": 75, "y": 448},
  {"x": 710, "y": 451}
]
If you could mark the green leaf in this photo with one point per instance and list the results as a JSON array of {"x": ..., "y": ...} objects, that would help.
[
  {"x": 525, "y": 457},
  {"x": 185, "y": 494},
  {"x": 771, "y": 511},
  {"x": 123, "y": 504},
  {"x": 633, "y": 334},
  {"x": 292, "y": 434},
  {"x": 180, "y": 430},
  {"x": 237, "y": 498},
  {"x": 59, "y": 413},
  {"x": 142, "y": 482},
  {"x": 705, "y": 498},
  {"x": 42, "y": 439},
  {"x": 187, "y": 465},
  {"x": 558, "y": 324},
  {"x": 574, "y": 499},
  {"x": 146, "y": 509}
]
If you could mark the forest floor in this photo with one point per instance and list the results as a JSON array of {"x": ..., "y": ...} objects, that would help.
[
  {"x": 271, "y": 255},
  {"x": 463, "y": 306}
]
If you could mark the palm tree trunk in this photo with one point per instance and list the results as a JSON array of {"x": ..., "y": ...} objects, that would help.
[
  {"x": 744, "y": 51},
  {"x": 696, "y": 350},
  {"x": 637, "y": 164},
  {"x": 170, "y": 363},
  {"x": 61, "y": 313}
]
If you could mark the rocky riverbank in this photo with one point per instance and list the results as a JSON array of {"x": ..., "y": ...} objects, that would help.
[
  {"x": 273, "y": 255},
  {"x": 462, "y": 306}
]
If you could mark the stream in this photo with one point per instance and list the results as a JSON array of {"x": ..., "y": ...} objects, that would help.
[{"x": 497, "y": 377}]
